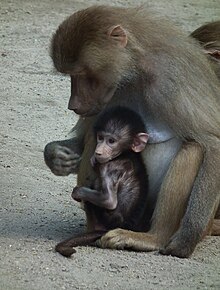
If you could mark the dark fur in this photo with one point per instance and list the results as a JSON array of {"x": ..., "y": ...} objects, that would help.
[
  {"x": 132, "y": 193},
  {"x": 115, "y": 119},
  {"x": 128, "y": 173}
]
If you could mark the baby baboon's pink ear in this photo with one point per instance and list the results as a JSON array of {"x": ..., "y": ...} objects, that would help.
[{"x": 140, "y": 142}]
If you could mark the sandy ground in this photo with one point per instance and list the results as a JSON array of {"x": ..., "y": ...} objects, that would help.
[{"x": 36, "y": 208}]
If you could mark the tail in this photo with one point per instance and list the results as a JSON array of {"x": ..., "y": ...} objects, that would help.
[{"x": 65, "y": 248}]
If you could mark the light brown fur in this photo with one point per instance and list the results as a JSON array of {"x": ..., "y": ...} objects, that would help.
[
  {"x": 209, "y": 37},
  {"x": 131, "y": 57}
]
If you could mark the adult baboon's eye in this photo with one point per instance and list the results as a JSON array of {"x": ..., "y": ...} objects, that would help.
[{"x": 93, "y": 83}]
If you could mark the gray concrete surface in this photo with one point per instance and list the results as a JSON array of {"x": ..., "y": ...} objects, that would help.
[{"x": 36, "y": 210}]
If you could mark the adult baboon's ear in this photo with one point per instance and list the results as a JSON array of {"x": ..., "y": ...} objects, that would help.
[
  {"x": 118, "y": 33},
  {"x": 213, "y": 49}
]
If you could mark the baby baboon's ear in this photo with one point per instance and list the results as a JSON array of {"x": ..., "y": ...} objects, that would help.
[{"x": 140, "y": 142}]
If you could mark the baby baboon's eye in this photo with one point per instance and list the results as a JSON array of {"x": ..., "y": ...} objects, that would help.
[
  {"x": 111, "y": 140},
  {"x": 100, "y": 137}
]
